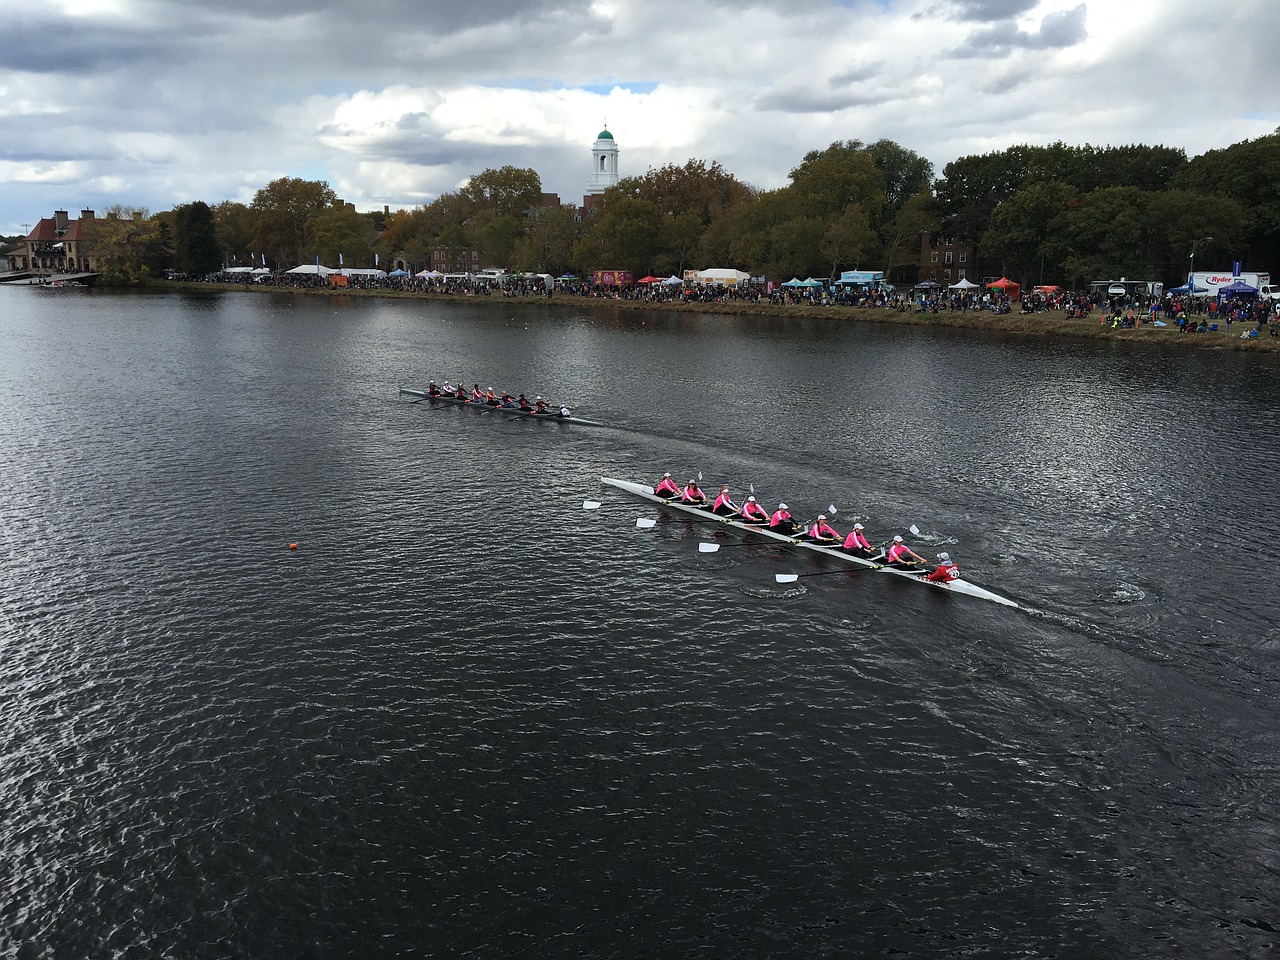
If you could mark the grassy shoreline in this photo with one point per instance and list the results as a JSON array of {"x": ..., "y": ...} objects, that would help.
[{"x": 1052, "y": 324}]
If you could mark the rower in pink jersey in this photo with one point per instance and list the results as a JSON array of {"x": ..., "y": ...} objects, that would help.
[
  {"x": 856, "y": 541},
  {"x": 781, "y": 521},
  {"x": 900, "y": 555},
  {"x": 724, "y": 505},
  {"x": 693, "y": 494},
  {"x": 752, "y": 512},
  {"x": 666, "y": 487},
  {"x": 822, "y": 532}
]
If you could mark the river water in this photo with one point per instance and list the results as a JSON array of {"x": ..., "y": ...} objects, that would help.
[{"x": 468, "y": 717}]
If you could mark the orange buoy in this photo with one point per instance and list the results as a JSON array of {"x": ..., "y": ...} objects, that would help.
[{"x": 293, "y": 546}]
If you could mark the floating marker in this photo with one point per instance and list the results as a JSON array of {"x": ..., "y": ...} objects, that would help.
[{"x": 293, "y": 546}]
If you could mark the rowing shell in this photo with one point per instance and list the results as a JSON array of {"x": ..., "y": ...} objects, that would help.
[
  {"x": 953, "y": 586},
  {"x": 508, "y": 411}
]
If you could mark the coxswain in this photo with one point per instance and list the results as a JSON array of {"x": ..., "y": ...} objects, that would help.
[
  {"x": 565, "y": 412},
  {"x": 693, "y": 494},
  {"x": 781, "y": 521},
  {"x": 752, "y": 512},
  {"x": 666, "y": 487},
  {"x": 523, "y": 403},
  {"x": 945, "y": 571},
  {"x": 822, "y": 532},
  {"x": 724, "y": 505},
  {"x": 856, "y": 542},
  {"x": 900, "y": 555}
]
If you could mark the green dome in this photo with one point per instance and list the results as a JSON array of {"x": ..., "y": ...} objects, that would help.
[{"x": 604, "y": 135}]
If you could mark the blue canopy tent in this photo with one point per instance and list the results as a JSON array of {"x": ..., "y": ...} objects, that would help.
[
  {"x": 398, "y": 273},
  {"x": 793, "y": 282},
  {"x": 1189, "y": 288},
  {"x": 1237, "y": 288}
]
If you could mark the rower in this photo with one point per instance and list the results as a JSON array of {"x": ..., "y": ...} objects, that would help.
[
  {"x": 856, "y": 542},
  {"x": 450, "y": 390},
  {"x": 724, "y": 505},
  {"x": 822, "y": 532},
  {"x": 693, "y": 494},
  {"x": 491, "y": 398},
  {"x": 781, "y": 521},
  {"x": 506, "y": 400},
  {"x": 752, "y": 512},
  {"x": 666, "y": 487},
  {"x": 477, "y": 393},
  {"x": 541, "y": 406},
  {"x": 900, "y": 555},
  {"x": 945, "y": 571},
  {"x": 432, "y": 389},
  {"x": 523, "y": 403}
]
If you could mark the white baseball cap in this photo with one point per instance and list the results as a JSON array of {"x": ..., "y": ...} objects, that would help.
[
  {"x": 857, "y": 526},
  {"x": 897, "y": 539},
  {"x": 782, "y": 506}
]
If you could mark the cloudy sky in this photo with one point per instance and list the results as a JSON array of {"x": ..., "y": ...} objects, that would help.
[{"x": 152, "y": 103}]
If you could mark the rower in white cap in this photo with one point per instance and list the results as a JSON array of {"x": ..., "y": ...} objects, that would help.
[
  {"x": 666, "y": 487},
  {"x": 856, "y": 542},
  {"x": 752, "y": 512},
  {"x": 900, "y": 555},
  {"x": 781, "y": 521},
  {"x": 945, "y": 571}
]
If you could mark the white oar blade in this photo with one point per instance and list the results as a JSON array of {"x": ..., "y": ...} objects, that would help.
[
  {"x": 786, "y": 577},
  {"x": 644, "y": 524},
  {"x": 831, "y": 510},
  {"x": 705, "y": 547},
  {"x": 590, "y": 504},
  {"x": 915, "y": 531}
]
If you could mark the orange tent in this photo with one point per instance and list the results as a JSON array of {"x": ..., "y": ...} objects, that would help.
[{"x": 1011, "y": 289}]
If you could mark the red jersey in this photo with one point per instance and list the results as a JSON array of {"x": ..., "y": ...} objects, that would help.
[{"x": 944, "y": 574}]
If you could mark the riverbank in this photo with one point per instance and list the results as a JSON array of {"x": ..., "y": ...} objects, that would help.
[{"x": 1055, "y": 323}]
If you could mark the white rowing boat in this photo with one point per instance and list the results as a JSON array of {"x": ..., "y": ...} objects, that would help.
[
  {"x": 516, "y": 412},
  {"x": 961, "y": 586}
]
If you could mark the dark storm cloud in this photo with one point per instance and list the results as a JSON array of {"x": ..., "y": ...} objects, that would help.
[
  {"x": 1057, "y": 31},
  {"x": 55, "y": 45},
  {"x": 994, "y": 10}
]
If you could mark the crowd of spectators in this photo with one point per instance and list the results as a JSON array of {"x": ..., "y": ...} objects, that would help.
[{"x": 1189, "y": 314}]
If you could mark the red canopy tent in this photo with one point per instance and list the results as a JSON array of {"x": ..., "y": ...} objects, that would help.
[
  {"x": 1010, "y": 288},
  {"x": 647, "y": 280}
]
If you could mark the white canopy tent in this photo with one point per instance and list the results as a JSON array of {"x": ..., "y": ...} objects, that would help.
[
  {"x": 237, "y": 270},
  {"x": 963, "y": 285},
  {"x": 363, "y": 272},
  {"x": 726, "y": 276},
  {"x": 314, "y": 268}
]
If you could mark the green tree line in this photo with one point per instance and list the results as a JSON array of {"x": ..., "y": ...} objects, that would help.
[{"x": 1044, "y": 214}]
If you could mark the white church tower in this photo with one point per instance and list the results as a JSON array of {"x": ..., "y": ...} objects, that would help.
[{"x": 604, "y": 161}]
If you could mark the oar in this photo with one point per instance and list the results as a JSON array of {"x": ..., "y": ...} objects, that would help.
[
  {"x": 705, "y": 547},
  {"x": 644, "y": 523},
  {"x": 590, "y": 504},
  {"x": 793, "y": 577}
]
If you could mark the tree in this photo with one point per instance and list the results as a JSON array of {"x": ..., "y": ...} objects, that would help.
[
  {"x": 901, "y": 236},
  {"x": 506, "y": 192},
  {"x": 905, "y": 173},
  {"x": 494, "y": 237},
  {"x": 826, "y": 182},
  {"x": 696, "y": 188},
  {"x": 622, "y": 234},
  {"x": 195, "y": 242},
  {"x": 1249, "y": 173},
  {"x": 339, "y": 231},
  {"x": 283, "y": 208},
  {"x": 848, "y": 240},
  {"x": 677, "y": 240},
  {"x": 122, "y": 242},
  {"x": 547, "y": 246},
  {"x": 233, "y": 225},
  {"x": 1025, "y": 228}
]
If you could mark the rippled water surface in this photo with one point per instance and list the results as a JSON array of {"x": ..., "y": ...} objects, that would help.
[{"x": 467, "y": 717}]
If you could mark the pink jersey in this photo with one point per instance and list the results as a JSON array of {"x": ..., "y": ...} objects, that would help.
[
  {"x": 898, "y": 552},
  {"x": 856, "y": 541},
  {"x": 724, "y": 501},
  {"x": 667, "y": 485},
  {"x": 753, "y": 511},
  {"x": 779, "y": 516}
]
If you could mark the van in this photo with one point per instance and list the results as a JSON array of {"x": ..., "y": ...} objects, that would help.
[{"x": 1269, "y": 291}]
